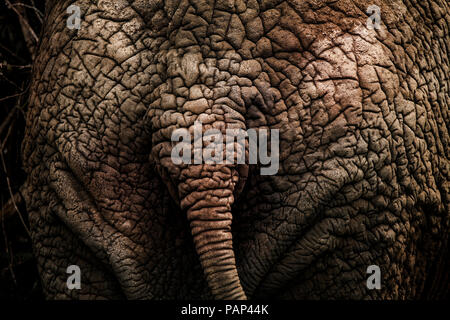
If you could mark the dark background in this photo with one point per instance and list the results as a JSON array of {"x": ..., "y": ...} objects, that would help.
[{"x": 18, "y": 21}]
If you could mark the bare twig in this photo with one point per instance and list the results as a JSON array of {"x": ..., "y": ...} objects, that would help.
[
  {"x": 8, "y": 208},
  {"x": 29, "y": 35},
  {"x": 9, "y": 81},
  {"x": 12, "y": 53},
  {"x": 7, "y": 120},
  {"x": 9, "y": 184},
  {"x": 8, "y": 251},
  {"x": 7, "y": 65},
  {"x": 39, "y": 14},
  {"x": 12, "y": 96}
]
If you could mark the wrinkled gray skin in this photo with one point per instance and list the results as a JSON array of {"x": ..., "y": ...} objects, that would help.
[{"x": 364, "y": 149}]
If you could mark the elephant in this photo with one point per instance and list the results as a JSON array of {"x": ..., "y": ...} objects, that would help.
[{"x": 360, "y": 108}]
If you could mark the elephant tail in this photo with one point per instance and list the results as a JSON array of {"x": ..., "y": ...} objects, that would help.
[{"x": 208, "y": 196}]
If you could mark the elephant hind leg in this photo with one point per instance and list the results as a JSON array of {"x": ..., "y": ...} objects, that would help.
[
  {"x": 56, "y": 248},
  {"x": 79, "y": 213}
]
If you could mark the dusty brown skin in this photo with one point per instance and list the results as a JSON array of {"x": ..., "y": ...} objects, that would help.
[{"x": 364, "y": 149}]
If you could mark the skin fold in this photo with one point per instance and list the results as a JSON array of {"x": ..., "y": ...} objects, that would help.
[{"x": 364, "y": 165}]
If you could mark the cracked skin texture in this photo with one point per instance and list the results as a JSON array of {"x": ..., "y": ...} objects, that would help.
[{"x": 364, "y": 149}]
